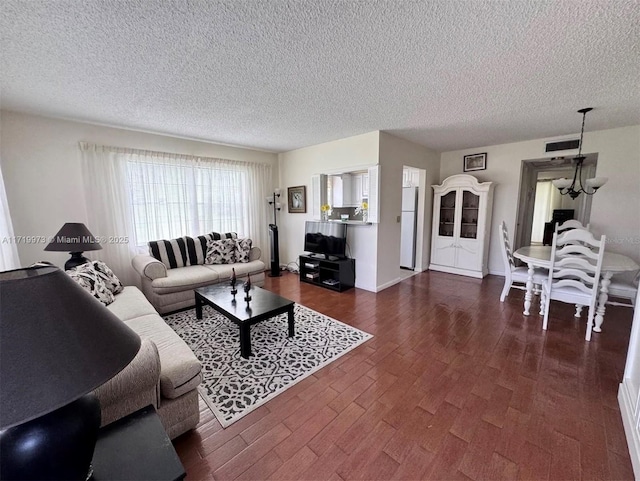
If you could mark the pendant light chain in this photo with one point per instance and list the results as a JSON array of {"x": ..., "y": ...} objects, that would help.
[
  {"x": 565, "y": 186},
  {"x": 584, "y": 116}
]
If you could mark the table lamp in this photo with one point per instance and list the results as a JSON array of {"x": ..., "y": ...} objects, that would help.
[
  {"x": 75, "y": 238},
  {"x": 57, "y": 343}
]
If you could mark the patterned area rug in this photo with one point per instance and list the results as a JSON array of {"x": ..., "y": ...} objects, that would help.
[{"x": 233, "y": 386}]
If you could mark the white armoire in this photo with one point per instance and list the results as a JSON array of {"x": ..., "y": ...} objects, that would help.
[
  {"x": 461, "y": 226},
  {"x": 629, "y": 392}
]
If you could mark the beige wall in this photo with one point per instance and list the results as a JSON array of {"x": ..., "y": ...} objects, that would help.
[
  {"x": 375, "y": 247},
  {"x": 296, "y": 168},
  {"x": 615, "y": 210},
  {"x": 41, "y": 168},
  {"x": 395, "y": 153}
]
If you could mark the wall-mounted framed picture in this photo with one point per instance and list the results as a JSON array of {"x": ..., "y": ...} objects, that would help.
[
  {"x": 475, "y": 162},
  {"x": 297, "y": 199}
]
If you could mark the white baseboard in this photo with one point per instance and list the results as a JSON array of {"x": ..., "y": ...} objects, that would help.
[
  {"x": 633, "y": 442},
  {"x": 496, "y": 273},
  {"x": 388, "y": 284},
  {"x": 455, "y": 270},
  {"x": 366, "y": 287}
]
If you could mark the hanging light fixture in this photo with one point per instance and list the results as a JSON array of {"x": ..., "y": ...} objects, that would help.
[{"x": 575, "y": 187}]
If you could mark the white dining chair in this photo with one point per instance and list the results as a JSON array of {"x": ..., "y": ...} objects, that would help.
[
  {"x": 574, "y": 274},
  {"x": 516, "y": 277},
  {"x": 621, "y": 288},
  {"x": 571, "y": 224}
]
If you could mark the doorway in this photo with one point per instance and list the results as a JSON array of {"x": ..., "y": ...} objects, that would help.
[{"x": 538, "y": 198}]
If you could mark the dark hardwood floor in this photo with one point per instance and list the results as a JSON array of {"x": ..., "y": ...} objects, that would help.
[{"x": 455, "y": 385}]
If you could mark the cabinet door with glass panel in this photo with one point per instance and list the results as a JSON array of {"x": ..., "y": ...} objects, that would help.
[
  {"x": 469, "y": 217},
  {"x": 448, "y": 213},
  {"x": 444, "y": 226}
]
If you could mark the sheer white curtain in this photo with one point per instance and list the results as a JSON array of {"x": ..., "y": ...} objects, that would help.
[
  {"x": 8, "y": 250},
  {"x": 547, "y": 199},
  {"x": 170, "y": 195},
  {"x": 108, "y": 208},
  {"x": 259, "y": 184}
]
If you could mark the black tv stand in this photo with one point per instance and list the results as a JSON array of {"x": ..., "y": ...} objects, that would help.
[
  {"x": 323, "y": 256},
  {"x": 335, "y": 274}
]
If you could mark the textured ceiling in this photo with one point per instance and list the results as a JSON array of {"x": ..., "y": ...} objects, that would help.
[{"x": 279, "y": 75}]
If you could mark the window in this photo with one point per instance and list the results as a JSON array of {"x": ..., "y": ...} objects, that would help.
[
  {"x": 141, "y": 195},
  {"x": 171, "y": 200}
]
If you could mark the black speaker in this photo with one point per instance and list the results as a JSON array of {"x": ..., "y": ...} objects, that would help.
[{"x": 275, "y": 251}]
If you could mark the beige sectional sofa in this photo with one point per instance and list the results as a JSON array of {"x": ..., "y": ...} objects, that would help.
[
  {"x": 165, "y": 373},
  {"x": 172, "y": 289}
]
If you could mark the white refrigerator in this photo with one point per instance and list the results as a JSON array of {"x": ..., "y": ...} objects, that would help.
[{"x": 408, "y": 227}]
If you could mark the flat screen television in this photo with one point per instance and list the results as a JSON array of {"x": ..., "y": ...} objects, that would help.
[{"x": 326, "y": 238}]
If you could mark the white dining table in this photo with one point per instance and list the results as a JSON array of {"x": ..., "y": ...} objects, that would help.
[{"x": 540, "y": 256}]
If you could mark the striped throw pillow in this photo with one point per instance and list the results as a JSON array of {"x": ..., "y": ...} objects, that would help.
[{"x": 185, "y": 251}]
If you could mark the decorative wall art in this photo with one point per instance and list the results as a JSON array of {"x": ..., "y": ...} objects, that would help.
[
  {"x": 475, "y": 162},
  {"x": 297, "y": 199}
]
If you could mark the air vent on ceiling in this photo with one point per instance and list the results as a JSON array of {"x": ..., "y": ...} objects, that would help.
[{"x": 557, "y": 146}]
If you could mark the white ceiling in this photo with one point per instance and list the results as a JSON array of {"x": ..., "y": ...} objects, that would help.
[{"x": 283, "y": 74}]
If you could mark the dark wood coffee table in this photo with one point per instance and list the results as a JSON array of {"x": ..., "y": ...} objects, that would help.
[{"x": 263, "y": 305}]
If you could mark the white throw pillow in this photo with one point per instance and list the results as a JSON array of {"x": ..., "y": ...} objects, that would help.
[
  {"x": 221, "y": 251},
  {"x": 108, "y": 277},
  {"x": 243, "y": 248},
  {"x": 86, "y": 276}
]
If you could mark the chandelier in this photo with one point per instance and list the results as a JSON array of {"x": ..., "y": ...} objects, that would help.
[{"x": 575, "y": 187}]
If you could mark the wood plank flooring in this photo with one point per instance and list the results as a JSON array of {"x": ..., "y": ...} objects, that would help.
[{"x": 455, "y": 385}]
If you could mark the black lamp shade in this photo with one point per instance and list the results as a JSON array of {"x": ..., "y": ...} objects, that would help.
[
  {"x": 57, "y": 343},
  {"x": 73, "y": 237}
]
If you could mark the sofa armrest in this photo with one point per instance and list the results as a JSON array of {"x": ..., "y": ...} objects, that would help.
[
  {"x": 254, "y": 254},
  {"x": 133, "y": 388},
  {"x": 141, "y": 375},
  {"x": 149, "y": 267}
]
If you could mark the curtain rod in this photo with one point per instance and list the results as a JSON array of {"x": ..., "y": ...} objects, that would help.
[{"x": 128, "y": 150}]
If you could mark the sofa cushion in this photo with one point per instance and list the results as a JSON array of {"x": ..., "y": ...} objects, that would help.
[
  {"x": 221, "y": 251},
  {"x": 185, "y": 278},
  {"x": 131, "y": 303},
  {"x": 224, "y": 271},
  {"x": 243, "y": 250},
  {"x": 179, "y": 367}
]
